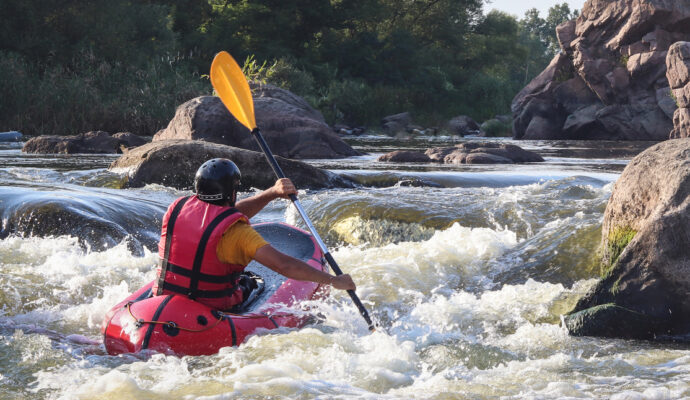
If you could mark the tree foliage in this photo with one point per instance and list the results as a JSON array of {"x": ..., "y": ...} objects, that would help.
[{"x": 356, "y": 60}]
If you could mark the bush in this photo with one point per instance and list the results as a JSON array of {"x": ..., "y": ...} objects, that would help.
[{"x": 494, "y": 128}]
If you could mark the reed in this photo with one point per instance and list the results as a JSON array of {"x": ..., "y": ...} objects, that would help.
[{"x": 91, "y": 94}]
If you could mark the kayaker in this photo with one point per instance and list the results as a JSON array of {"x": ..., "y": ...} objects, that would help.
[{"x": 207, "y": 241}]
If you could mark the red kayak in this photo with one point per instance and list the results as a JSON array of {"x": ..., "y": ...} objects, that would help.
[{"x": 174, "y": 324}]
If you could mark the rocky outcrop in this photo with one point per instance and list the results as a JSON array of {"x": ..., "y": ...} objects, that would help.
[
  {"x": 290, "y": 126},
  {"x": 678, "y": 74},
  {"x": 608, "y": 81},
  {"x": 467, "y": 153},
  {"x": 173, "y": 163},
  {"x": 645, "y": 286},
  {"x": 96, "y": 142}
]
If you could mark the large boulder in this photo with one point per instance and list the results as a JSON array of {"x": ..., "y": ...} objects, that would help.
[
  {"x": 467, "y": 153},
  {"x": 678, "y": 74},
  {"x": 290, "y": 126},
  {"x": 97, "y": 142},
  {"x": 645, "y": 286},
  {"x": 608, "y": 81},
  {"x": 173, "y": 163}
]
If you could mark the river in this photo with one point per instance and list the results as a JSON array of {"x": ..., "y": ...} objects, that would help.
[{"x": 467, "y": 274}]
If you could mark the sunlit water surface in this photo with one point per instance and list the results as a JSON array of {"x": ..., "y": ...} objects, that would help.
[{"x": 467, "y": 275}]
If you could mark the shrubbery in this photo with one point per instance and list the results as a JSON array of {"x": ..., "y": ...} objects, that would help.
[{"x": 72, "y": 66}]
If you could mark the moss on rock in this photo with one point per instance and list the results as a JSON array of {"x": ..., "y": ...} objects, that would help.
[{"x": 616, "y": 242}]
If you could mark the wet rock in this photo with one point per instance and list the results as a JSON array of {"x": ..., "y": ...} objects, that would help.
[
  {"x": 344, "y": 130},
  {"x": 488, "y": 153},
  {"x": 290, "y": 127},
  {"x": 11, "y": 136},
  {"x": 645, "y": 286},
  {"x": 173, "y": 163},
  {"x": 417, "y": 182},
  {"x": 612, "y": 60},
  {"x": 467, "y": 153},
  {"x": 678, "y": 74},
  {"x": 405, "y": 156},
  {"x": 462, "y": 125},
  {"x": 98, "y": 142}
]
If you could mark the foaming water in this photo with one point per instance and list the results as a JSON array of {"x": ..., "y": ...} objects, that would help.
[{"x": 468, "y": 282}]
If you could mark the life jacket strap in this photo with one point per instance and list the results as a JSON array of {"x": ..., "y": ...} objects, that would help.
[
  {"x": 206, "y": 278},
  {"x": 168, "y": 242},
  {"x": 201, "y": 251},
  {"x": 206, "y": 294}
]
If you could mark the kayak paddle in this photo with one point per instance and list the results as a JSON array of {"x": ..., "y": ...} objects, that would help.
[{"x": 232, "y": 88}]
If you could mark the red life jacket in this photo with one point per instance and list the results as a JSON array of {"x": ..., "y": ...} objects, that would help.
[{"x": 187, "y": 250}]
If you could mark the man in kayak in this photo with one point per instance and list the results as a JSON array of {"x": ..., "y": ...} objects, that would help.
[{"x": 206, "y": 241}]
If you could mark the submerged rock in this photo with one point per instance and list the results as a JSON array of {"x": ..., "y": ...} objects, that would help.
[
  {"x": 645, "y": 286},
  {"x": 99, "y": 220},
  {"x": 289, "y": 125},
  {"x": 173, "y": 163}
]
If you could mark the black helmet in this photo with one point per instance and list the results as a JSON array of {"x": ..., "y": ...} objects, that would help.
[{"x": 216, "y": 181}]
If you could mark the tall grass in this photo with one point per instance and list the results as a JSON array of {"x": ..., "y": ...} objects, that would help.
[{"x": 91, "y": 94}]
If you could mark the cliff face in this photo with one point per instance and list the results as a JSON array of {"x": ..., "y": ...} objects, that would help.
[
  {"x": 678, "y": 74},
  {"x": 609, "y": 80}
]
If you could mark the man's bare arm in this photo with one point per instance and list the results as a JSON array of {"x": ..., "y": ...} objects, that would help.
[
  {"x": 252, "y": 205},
  {"x": 296, "y": 269}
]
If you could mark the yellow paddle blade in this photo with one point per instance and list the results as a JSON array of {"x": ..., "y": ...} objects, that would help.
[{"x": 232, "y": 88}]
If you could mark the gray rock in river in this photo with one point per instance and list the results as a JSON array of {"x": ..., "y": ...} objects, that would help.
[
  {"x": 608, "y": 81},
  {"x": 95, "y": 142},
  {"x": 645, "y": 286},
  {"x": 405, "y": 156},
  {"x": 173, "y": 163},
  {"x": 467, "y": 153},
  {"x": 290, "y": 126}
]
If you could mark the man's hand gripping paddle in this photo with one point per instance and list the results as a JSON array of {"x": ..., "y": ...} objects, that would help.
[{"x": 232, "y": 88}]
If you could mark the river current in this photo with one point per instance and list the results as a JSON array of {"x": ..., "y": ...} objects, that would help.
[{"x": 467, "y": 270}]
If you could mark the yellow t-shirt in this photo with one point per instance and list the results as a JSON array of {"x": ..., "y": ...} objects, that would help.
[{"x": 239, "y": 244}]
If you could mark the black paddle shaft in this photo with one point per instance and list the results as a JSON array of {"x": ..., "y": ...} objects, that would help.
[{"x": 331, "y": 261}]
